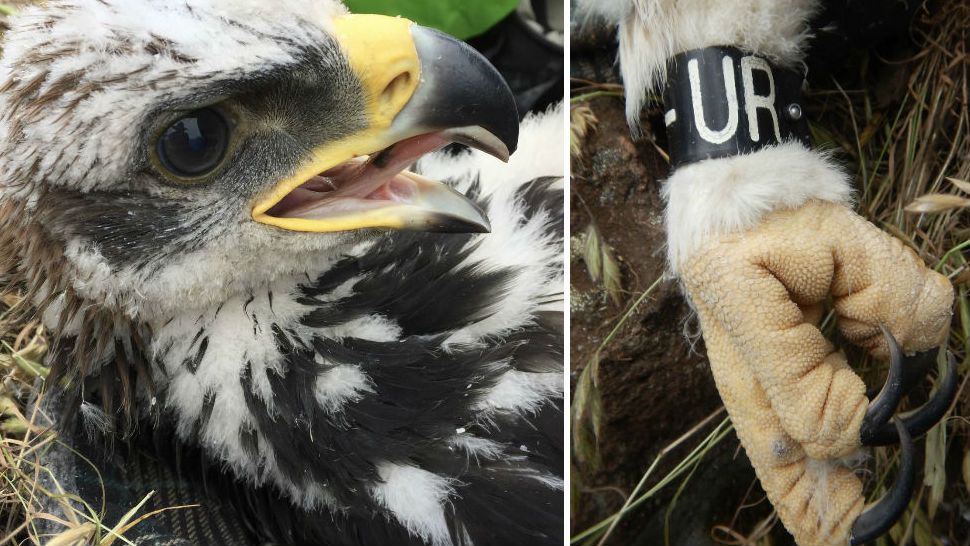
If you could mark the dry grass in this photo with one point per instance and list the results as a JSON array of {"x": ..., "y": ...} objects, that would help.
[
  {"x": 33, "y": 507},
  {"x": 911, "y": 160},
  {"x": 22, "y": 439},
  {"x": 29, "y": 493}
]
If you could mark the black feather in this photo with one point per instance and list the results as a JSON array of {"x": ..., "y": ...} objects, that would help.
[{"x": 423, "y": 393}]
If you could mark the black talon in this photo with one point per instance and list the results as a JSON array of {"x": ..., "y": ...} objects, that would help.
[
  {"x": 884, "y": 513},
  {"x": 918, "y": 421},
  {"x": 883, "y": 406}
]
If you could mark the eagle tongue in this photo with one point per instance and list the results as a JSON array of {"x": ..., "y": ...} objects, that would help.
[{"x": 363, "y": 178}]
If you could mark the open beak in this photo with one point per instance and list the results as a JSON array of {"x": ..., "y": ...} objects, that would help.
[{"x": 424, "y": 90}]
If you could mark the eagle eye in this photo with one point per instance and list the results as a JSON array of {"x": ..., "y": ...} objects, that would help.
[{"x": 194, "y": 145}]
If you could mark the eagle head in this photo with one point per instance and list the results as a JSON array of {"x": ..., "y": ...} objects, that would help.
[{"x": 155, "y": 153}]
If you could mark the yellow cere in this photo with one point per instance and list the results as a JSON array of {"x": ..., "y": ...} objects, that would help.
[{"x": 382, "y": 53}]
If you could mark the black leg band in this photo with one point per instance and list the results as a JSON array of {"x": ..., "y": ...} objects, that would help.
[{"x": 721, "y": 101}]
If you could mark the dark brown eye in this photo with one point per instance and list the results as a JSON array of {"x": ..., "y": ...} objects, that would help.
[{"x": 194, "y": 145}]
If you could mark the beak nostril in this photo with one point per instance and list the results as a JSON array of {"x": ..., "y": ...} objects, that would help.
[{"x": 400, "y": 83}]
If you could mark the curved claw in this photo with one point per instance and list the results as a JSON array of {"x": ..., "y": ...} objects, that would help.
[
  {"x": 883, "y": 406},
  {"x": 918, "y": 421},
  {"x": 884, "y": 513}
]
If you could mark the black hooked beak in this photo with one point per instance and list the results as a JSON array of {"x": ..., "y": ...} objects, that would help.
[{"x": 423, "y": 90}]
